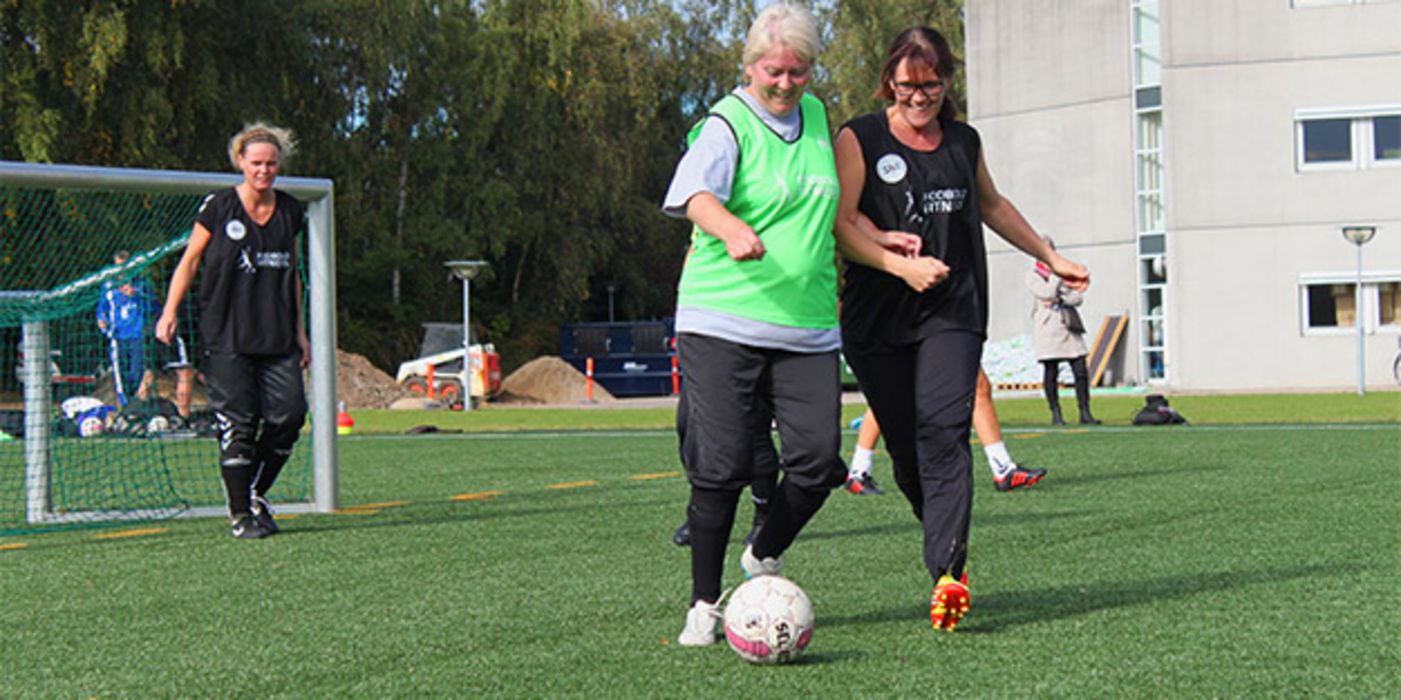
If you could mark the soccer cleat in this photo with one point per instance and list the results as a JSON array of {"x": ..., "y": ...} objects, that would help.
[
  {"x": 864, "y": 485},
  {"x": 754, "y": 566},
  {"x": 682, "y": 536},
  {"x": 949, "y": 603},
  {"x": 246, "y": 527},
  {"x": 700, "y": 625},
  {"x": 1018, "y": 477},
  {"x": 262, "y": 513}
]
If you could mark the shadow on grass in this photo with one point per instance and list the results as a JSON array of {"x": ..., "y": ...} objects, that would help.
[
  {"x": 1055, "y": 479},
  {"x": 998, "y": 612}
]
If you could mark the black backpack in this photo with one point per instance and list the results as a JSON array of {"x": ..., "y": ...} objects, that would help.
[{"x": 1158, "y": 412}]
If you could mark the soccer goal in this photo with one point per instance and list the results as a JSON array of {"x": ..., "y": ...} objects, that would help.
[{"x": 98, "y": 420}]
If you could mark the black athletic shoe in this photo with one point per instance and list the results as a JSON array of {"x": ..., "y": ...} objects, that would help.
[
  {"x": 246, "y": 527},
  {"x": 262, "y": 513},
  {"x": 682, "y": 536},
  {"x": 863, "y": 486}
]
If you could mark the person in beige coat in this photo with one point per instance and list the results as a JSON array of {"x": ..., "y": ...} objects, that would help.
[{"x": 1056, "y": 341}]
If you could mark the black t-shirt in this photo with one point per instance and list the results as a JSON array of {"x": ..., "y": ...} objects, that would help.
[
  {"x": 247, "y": 294},
  {"x": 933, "y": 194}
]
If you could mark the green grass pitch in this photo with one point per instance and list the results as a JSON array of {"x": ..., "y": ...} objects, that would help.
[{"x": 1208, "y": 560}]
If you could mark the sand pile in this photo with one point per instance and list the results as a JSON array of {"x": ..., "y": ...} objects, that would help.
[
  {"x": 362, "y": 385},
  {"x": 548, "y": 379}
]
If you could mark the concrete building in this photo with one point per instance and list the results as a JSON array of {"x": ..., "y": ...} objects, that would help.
[{"x": 1204, "y": 158}]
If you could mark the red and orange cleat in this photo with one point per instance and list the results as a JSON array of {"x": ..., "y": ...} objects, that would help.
[
  {"x": 949, "y": 603},
  {"x": 1018, "y": 478}
]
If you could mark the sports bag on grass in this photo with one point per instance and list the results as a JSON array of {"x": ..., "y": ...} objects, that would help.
[{"x": 1158, "y": 412}]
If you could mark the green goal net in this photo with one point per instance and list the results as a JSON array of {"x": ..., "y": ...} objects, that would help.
[{"x": 99, "y": 421}]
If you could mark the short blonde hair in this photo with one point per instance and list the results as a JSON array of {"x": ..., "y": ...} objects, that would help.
[
  {"x": 259, "y": 132},
  {"x": 782, "y": 24}
]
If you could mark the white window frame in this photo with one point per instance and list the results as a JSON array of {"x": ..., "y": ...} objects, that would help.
[
  {"x": 1369, "y": 314},
  {"x": 1363, "y": 137},
  {"x": 1304, "y": 4}
]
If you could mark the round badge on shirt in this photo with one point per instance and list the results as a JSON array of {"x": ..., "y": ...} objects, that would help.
[
  {"x": 891, "y": 168},
  {"x": 235, "y": 230}
]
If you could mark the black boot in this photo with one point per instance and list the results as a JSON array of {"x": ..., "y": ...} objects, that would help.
[
  {"x": 1082, "y": 391},
  {"x": 1051, "y": 386}
]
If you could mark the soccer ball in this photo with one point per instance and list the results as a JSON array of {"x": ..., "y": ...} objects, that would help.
[
  {"x": 768, "y": 620},
  {"x": 91, "y": 426}
]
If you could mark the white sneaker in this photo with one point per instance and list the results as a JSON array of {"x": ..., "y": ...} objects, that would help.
[
  {"x": 754, "y": 566},
  {"x": 700, "y": 625}
]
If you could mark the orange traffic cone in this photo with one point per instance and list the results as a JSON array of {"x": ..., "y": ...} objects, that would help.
[{"x": 345, "y": 425}]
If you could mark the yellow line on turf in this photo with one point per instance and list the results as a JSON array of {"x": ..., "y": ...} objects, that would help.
[
  {"x": 131, "y": 533},
  {"x": 1076, "y": 430},
  {"x": 11, "y": 546},
  {"x": 357, "y": 511},
  {"x": 479, "y": 496},
  {"x": 658, "y": 475},
  {"x": 386, "y": 504},
  {"x": 1028, "y": 436},
  {"x": 572, "y": 485}
]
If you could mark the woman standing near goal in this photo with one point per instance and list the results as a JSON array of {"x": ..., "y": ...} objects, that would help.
[{"x": 255, "y": 344}]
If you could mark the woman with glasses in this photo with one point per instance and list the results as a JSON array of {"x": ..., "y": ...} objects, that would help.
[
  {"x": 915, "y": 193},
  {"x": 756, "y": 316}
]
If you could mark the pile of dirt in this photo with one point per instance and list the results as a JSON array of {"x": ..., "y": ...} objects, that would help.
[
  {"x": 362, "y": 385},
  {"x": 548, "y": 379}
]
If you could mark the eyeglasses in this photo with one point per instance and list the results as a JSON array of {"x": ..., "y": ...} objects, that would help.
[{"x": 930, "y": 89}]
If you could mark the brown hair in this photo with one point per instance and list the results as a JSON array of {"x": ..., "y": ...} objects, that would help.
[{"x": 927, "y": 47}]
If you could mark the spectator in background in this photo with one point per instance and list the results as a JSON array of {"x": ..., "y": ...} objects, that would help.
[
  {"x": 124, "y": 312},
  {"x": 1059, "y": 336}
]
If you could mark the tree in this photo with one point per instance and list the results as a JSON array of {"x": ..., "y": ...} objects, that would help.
[{"x": 858, "y": 35}]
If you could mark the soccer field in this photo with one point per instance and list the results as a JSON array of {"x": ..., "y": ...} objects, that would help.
[{"x": 1222, "y": 561}]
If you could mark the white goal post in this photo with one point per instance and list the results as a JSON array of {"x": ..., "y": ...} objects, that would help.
[{"x": 318, "y": 195}]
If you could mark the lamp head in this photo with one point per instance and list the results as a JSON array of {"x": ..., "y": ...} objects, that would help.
[
  {"x": 465, "y": 269},
  {"x": 1358, "y": 235}
]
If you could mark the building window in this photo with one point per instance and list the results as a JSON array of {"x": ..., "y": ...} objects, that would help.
[
  {"x": 1327, "y": 141},
  {"x": 1325, "y": 3},
  {"x": 1389, "y": 304},
  {"x": 1386, "y": 138},
  {"x": 1329, "y": 303},
  {"x": 1348, "y": 139}
]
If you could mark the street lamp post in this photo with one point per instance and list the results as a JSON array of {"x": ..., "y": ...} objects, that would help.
[
  {"x": 465, "y": 270},
  {"x": 1358, "y": 236}
]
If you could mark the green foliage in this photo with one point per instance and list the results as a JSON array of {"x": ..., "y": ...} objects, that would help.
[{"x": 537, "y": 135}]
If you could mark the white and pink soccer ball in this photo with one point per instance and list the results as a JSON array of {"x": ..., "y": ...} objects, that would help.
[{"x": 769, "y": 620}]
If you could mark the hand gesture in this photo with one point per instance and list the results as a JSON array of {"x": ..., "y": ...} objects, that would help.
[
  {"x": 165, "y": 328},
  {"x": 923, "y": 272},
  {"x": 906, "y": 244},
  {"x": 745, "y": 245},
  {"x": 1072, "y": 274}
]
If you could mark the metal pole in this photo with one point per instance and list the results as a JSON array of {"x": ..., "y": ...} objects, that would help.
[
  {"x": 466, "y": 344},
  {"x": 37, "y": 407},
  {"x": 321, "y": 268},
  {"x": 1357, "y": 321}
]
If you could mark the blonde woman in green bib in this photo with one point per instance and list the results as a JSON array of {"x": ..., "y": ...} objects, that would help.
[{"x": 756, "y": 316}]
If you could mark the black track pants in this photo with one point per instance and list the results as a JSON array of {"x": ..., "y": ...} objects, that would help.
[
  {"x": 261, "y": 406},
  {"x": 922, "y": 395}
]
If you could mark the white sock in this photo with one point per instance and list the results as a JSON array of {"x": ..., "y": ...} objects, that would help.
[
  {"x": 861, "y": 462},
  {"x": 999, "y": 460}
]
